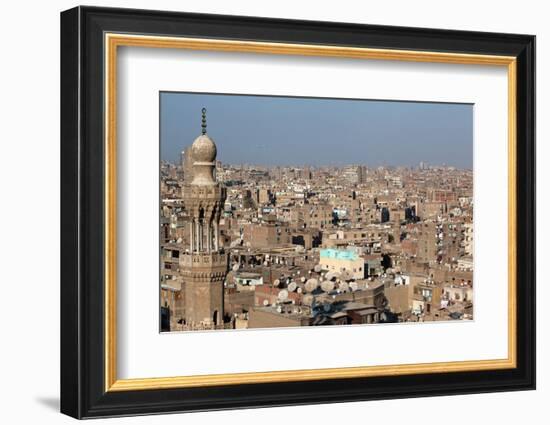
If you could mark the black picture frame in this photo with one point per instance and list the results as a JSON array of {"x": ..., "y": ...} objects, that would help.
[{"x": 83, "y": 392}]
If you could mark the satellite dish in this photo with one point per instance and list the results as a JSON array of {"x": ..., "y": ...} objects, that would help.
[
  {"x": 317, "y": 268},
  {"x": 302, "y": 279},
  {"x": 329, "y": 275},
  {"x": 235, "y": 267},
  {"x": 327, "y": 286},
  {"x": 283, "y": 295},
  {"x": 311, "y": 285},
  {"x": 276, "y": 282},
  {"x": 292, "y": 286},
  {"x": 327, "y": 307},
  {"x": 265, "y": 263},
  {"x": 308, "y": 300},
  {"x": 266, "y": 303},
  {"x": 343, "y": 286},
  {"x": 298, "y": 272},
  {"x": 353, "y": 286},
  {"x": 279, "y": 309},
  {"x": 299, "y": 290}
]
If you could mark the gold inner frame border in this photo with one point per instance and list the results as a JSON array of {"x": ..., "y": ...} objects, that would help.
[{"x": 113, "y": 40}]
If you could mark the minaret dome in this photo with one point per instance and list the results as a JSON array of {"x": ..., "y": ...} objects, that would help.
[
  {"x": 203, "y": 154},
  {"x": 203, "y": 149}
]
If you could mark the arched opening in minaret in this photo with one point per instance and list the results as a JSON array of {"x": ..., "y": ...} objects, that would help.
[
  {"x": 200, "y": 235},
  {"x": 215, "y": 317}
]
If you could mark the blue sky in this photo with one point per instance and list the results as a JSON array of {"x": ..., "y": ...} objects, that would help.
[{"x": 270, "y": 130}]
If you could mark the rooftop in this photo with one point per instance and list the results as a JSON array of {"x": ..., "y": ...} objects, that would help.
[{"x": 339, "y": 254}]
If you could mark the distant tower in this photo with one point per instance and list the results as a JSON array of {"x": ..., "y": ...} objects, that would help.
[
  {"x": 187, "y": 164},
  {"x": 204, "y": 266},
  {"x": 182, "y": 159}
]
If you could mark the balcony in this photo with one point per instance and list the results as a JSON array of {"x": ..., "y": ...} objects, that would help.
[{"x": 203, "y": 259}]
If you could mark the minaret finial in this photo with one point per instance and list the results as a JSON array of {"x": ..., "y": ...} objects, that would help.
[{"x": 203, "y": 125}]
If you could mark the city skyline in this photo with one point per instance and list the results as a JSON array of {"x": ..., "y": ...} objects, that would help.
[
  {"x": 337, "y": 166},
  {"x": 331, "y": 132},
  {"x": 263, "y": 246}
]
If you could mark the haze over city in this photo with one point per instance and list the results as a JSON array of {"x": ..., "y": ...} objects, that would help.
[{"x": 271, "y": 131}]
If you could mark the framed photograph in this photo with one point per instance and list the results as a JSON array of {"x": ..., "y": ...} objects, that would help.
[{"x": 261, "y": 212}]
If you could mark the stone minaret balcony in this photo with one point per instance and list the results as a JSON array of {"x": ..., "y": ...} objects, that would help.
[{"x": 203, "y": 260}]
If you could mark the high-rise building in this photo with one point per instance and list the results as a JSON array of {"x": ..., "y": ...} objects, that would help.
[
  {"x": 353, "y": 174},
  {"x": 427, "y": 242},
  {"x": 204, "y": 264}
]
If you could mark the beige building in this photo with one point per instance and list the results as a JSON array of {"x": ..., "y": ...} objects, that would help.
[
  {"x": 266, "y": 235},
  {"x": 337, "y": 260},
  {"x": 270, "y": 317}
]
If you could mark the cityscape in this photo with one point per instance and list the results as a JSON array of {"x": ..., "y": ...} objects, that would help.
[{"x": 248, "y": 246}]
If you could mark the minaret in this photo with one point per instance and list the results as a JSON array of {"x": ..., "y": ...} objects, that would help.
[{"x": 204, "y": 265}]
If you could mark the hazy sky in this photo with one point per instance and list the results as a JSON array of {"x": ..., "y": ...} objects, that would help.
[{"x": 268, "y": 130}]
